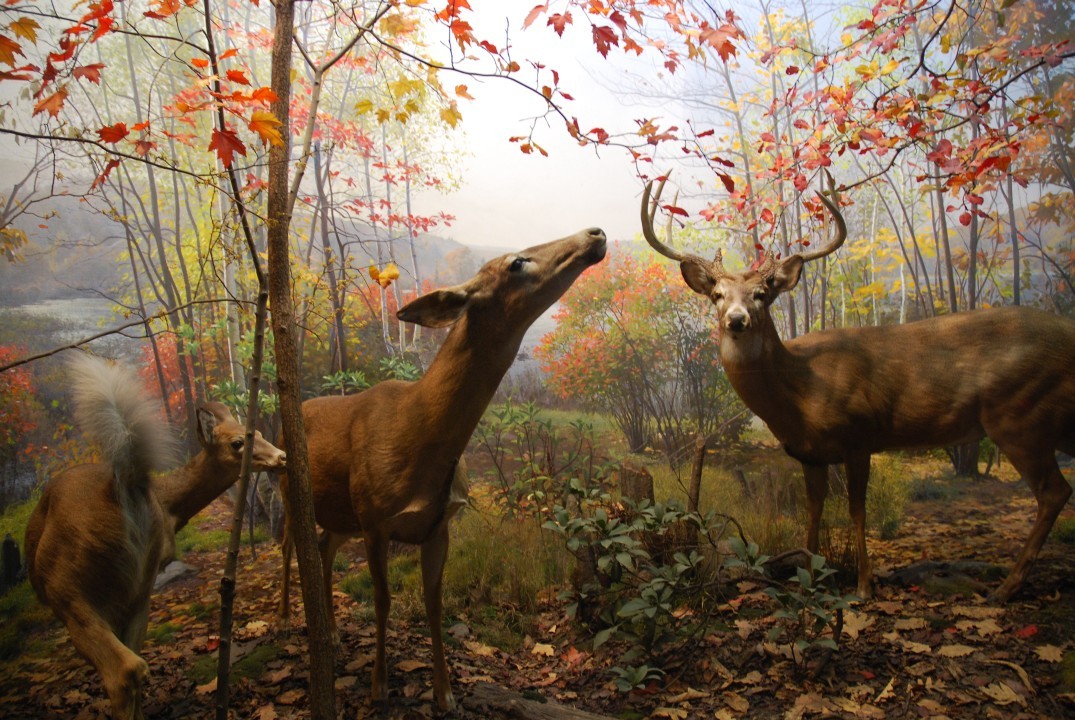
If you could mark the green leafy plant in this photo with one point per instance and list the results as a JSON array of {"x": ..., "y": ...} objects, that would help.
[
  {"x": 344, "y": 382},
  {"x": 810, "y": 611},
  {"x": 642, "y": 579}
]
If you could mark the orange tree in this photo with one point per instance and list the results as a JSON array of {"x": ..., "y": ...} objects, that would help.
[{"x": 631, "y": 341}]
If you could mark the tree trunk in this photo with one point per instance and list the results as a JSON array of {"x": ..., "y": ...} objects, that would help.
[{"x": 298, "y": 497}]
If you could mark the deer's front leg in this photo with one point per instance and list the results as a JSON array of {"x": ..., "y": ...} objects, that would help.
[
  {"x": 434, "y": 553},
  {"x": 377, "y": 556},
  {"x": 817, "y": 488},
  {"x": 858, "y": 475},
  {"x": 122, "y": 671}
]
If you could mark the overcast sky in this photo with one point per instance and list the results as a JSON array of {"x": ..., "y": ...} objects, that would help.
[{"x": 511, "y": 199}]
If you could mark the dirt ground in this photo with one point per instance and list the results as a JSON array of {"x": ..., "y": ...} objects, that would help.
[{"x": 927, "y": 646}]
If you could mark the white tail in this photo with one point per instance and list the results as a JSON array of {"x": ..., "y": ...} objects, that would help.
[
  {"x": 100, "y": 532},
  {"x": 385, "y": 464},
  {"x": 837, "y": 396}
]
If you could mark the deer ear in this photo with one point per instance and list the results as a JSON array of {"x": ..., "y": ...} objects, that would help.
[
  {"x": 787, "y": 273},
  {"x": 698, "y": 278},
  {"x": 207, "y": 422},
  {"x": 439, "y": 308}
]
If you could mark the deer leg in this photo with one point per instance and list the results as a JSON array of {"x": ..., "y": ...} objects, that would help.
[
  {"x": 122, "y": 671},
  {"x": 858, "y": 475},
  {"x": 328, "y": 545},
  {"x": 1040, "y": 471},
  {"x": 377, "y": 557},
  {"x": 434, "y": 553},
  {"x": 817, "y": 487}
]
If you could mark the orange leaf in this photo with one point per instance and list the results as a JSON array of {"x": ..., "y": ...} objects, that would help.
[
  {"x": 53, "y": 103},
  {"x": 103, "y": 26},
  {"x": 89, "y": 72},
  {"x": 200, "y": 63},
  {"x": 226, "y": 143},
  {"x": 266, "y": 125},
  {"x": 238, "y": 76},
  {"x": 264, "y": 95},
  {"x": 230, "y": 52},
  {"x": 8, "y": 50},
  {"x": 25, "y": 28},
  {"x": 142, "y": 147},
  {"x": 113, "y": 133},
  {"x": 461, "y": 91}
]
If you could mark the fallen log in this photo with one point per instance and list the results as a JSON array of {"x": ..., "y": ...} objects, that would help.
[{"x": 495, "y": 701}]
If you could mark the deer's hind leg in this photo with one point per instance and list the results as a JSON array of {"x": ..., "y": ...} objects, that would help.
[
  {"x": 122, "y": 671},
  {"x": 1037, "y": 466}
]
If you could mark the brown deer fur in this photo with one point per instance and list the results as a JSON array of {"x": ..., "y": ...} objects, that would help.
[
  {"x": 101, "y": 531},
  {"x": 384, "y": 462},
  {"x": 838, "y": 396}
]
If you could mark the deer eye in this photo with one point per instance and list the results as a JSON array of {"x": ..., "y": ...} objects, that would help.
[
  {"x": 718, "y": 296},
  {"x": 236, "y": 445},
  {"x": 759, "y": 294},
  {"x": 517, "y": 264}
]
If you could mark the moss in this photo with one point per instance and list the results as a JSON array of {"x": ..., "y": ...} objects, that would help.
[
  {"x": 1066, "y": 673},
  {"x": 1064, "y": 530},
  {"x": 20, "y": 614},
  {"x": 251, "y": 665}
]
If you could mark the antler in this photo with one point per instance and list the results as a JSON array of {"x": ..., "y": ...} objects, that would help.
[
  {"x": 649, "y": 211},
  {"x": 841, "y": 226}
]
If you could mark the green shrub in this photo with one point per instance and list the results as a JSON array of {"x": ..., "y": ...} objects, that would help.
[{"x": 1064, "y": 530}]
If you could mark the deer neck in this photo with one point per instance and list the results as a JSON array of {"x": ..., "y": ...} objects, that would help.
[
  {"x": 760, "y": 369},
  {"x": 186, "y": 491},
  {"x": 463, "y": 377}
]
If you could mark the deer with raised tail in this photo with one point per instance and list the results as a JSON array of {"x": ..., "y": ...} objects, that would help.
[
  {"x": 384, "y": 464},
  {"x": 838, "y": 396},
  {"x": 101, "y": 531}
]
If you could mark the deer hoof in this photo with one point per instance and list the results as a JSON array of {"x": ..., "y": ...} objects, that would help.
[{"x": 446, "y": 702}]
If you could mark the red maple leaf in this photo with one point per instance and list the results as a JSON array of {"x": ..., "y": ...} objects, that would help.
[
  {"x": 238, "y": 76},
  {"x": 559, "y": 22},
  {"x": 89, "y": 72},
  {"x": 226, "y": 143},
  {"x": 109, "y": 167},
  {"x": 113, "y": 133},
  {"x": 604, "y": 37}
]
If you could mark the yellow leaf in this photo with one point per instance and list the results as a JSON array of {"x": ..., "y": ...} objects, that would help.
[
  {"x": 451, "y": 115},
  {"x": 1049, "y": 653},
  {"x": 25, "y": 28},
  {"x": 363, "y": 106},
  {"x": 890, "y": 66},
  {"x": 847, "y": 39},
  {"x": 383, "y": 115},
  {"x": 542, "y": 649},
  {"x": 416, "y": 3},
  {"x": 461, "y": 91},
  {"x": 265, "y": 124},
  {"x": 396, "y": 24}
]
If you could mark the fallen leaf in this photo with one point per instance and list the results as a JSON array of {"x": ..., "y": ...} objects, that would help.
[
  {"x": 673, "y": 713},
  {"x": 479, "y": 649},
  {"x": 855, "y": 623},
  {"x": 1002, "y": 694},
  {"x": 1049, "y": 653},
  {"x": 687, "y": 695},
  {"x": 954, "y": 651},
  {"x": 411, "y": 665},
  {"x": 542, "y": 649},
  {"x": 206, "y": 689},
  {"x": 268, "y": 712},
  {"x": 910, "y": 624},
  {"x": 290, "y": 697}
]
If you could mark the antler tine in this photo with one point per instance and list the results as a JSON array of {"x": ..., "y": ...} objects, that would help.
[
  {"x": 841, "y": 226},
  {"x": 649, "y": 210}
]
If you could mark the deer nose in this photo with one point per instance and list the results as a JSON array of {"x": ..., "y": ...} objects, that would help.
[{"x": 737, "y": 322}]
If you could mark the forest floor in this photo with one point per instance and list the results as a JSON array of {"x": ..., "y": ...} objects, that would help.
[{"x": 934, "y": 648}]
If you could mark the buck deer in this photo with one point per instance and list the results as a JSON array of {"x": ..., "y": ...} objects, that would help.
[
  {"x": 101, "y": 531},
  {"x": 837, "y": 396},
  {"x": 384, "y": 464}
]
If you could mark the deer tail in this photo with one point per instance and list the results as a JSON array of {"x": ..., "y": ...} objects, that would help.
[{"x": 114, "y": 411}]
